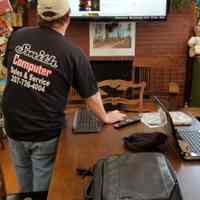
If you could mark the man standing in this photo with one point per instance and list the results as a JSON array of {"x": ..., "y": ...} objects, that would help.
[{"x": 42, "y": 65}]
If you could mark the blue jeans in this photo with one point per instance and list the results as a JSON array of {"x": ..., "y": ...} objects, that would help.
[{"x": 33, "y": 162}]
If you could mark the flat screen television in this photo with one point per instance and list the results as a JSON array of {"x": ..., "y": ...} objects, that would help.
[{"x": 121, "y": 10}]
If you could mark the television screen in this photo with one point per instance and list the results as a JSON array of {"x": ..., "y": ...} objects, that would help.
[{"x": 118, "y": 9}]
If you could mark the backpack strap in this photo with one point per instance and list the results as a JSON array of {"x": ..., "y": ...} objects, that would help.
[
  {"x": 88, "y": 192},
  {"x": 84, "y": 172}
]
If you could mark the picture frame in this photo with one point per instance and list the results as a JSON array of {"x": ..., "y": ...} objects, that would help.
[{"x": 112, "y": 38}]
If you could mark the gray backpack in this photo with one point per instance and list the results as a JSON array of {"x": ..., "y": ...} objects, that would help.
[{"x": 134, "y": 176}]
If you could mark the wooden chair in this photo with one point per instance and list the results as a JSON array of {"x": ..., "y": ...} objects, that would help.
[{"x": 121, "y": 92}]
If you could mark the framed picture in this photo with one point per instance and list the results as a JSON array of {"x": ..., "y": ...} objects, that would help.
[{"x": 112, "y": 39}]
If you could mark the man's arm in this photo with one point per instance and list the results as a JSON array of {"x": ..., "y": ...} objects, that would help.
[{"x": 96, "y": 105}]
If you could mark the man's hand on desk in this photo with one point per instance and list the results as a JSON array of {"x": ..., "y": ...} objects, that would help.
[
  {"x": 114, "y": 116},
  {"x": 96, "y": 105}
]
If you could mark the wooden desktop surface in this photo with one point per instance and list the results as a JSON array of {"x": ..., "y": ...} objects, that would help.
[{"x": 82, "y": 151}]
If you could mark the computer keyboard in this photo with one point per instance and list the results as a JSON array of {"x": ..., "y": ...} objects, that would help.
[
  {"x": 192, "y": 138},
  {"x": 85, "y": 121}
]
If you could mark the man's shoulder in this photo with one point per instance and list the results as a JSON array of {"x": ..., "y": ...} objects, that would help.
[
  {"x": 25, "y": 29},
  {"x": 73, "y": 48}
]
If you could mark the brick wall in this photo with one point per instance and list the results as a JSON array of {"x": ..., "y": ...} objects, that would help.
[{"x": 162, "y": 46}]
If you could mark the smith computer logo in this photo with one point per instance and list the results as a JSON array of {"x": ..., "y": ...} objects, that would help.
[{"x": 40, "y": 56}]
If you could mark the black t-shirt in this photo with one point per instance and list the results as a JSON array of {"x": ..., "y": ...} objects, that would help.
[{"x": 42, "y": 65}]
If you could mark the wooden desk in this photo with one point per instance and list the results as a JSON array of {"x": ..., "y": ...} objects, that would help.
[{"x": 82, "y": 151}]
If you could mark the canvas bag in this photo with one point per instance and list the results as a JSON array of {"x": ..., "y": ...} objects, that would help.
[{"x": 138, "y": 176}]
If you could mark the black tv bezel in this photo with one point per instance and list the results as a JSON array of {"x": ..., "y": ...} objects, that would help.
[{"x": 121, "y": 18}]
